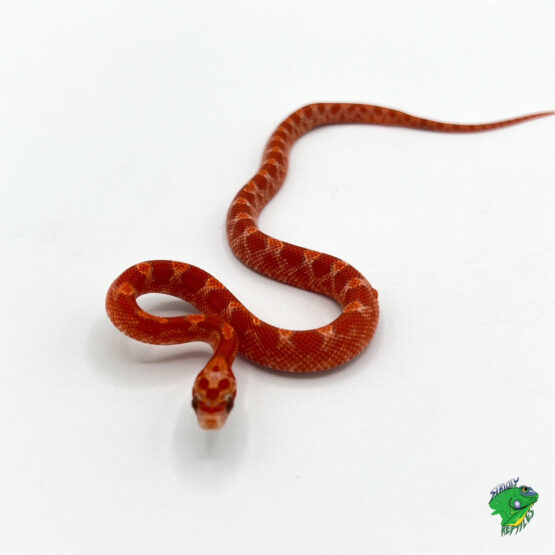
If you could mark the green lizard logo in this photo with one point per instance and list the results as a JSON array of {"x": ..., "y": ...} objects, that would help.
[{"x": 514, "y": 505}]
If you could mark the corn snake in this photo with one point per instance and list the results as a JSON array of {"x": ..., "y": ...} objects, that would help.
[{"x": 223, "y": 321}]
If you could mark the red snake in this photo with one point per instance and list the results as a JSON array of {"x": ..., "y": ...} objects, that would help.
[{"x": 224, "y": 322}]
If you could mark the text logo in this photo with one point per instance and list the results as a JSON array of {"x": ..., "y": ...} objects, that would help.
[{"x": 514, "y": 504}]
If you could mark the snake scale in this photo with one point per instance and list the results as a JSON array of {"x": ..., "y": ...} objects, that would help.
[{"x": 223, "y": 321}]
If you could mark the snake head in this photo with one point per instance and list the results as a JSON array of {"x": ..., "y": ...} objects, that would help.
[{"x": 214, "y": 394}]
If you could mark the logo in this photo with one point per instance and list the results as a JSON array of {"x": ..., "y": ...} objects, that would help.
[{"x": 514, "y": 505}]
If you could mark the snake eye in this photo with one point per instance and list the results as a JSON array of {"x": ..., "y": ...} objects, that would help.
[
  {"x": 516, "y": 504},
  {"x": 228, "y": 402},
  {"x": 524, "y": 488},
  {"x": 194, "y": 403}
]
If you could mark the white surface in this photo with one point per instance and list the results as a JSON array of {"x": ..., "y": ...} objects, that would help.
[{"x": 125, "y": 130}]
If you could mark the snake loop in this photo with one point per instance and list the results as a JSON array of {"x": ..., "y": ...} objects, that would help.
[{"x": 224, "y": 322}]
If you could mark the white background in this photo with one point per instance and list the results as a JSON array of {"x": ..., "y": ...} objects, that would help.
[{"x": 125, "y": 130}]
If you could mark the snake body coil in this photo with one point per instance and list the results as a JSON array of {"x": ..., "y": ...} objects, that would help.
[{"x": 224, "y": 322}]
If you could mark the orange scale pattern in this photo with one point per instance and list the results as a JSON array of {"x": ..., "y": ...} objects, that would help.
[{"x": 224, "y": 322}]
